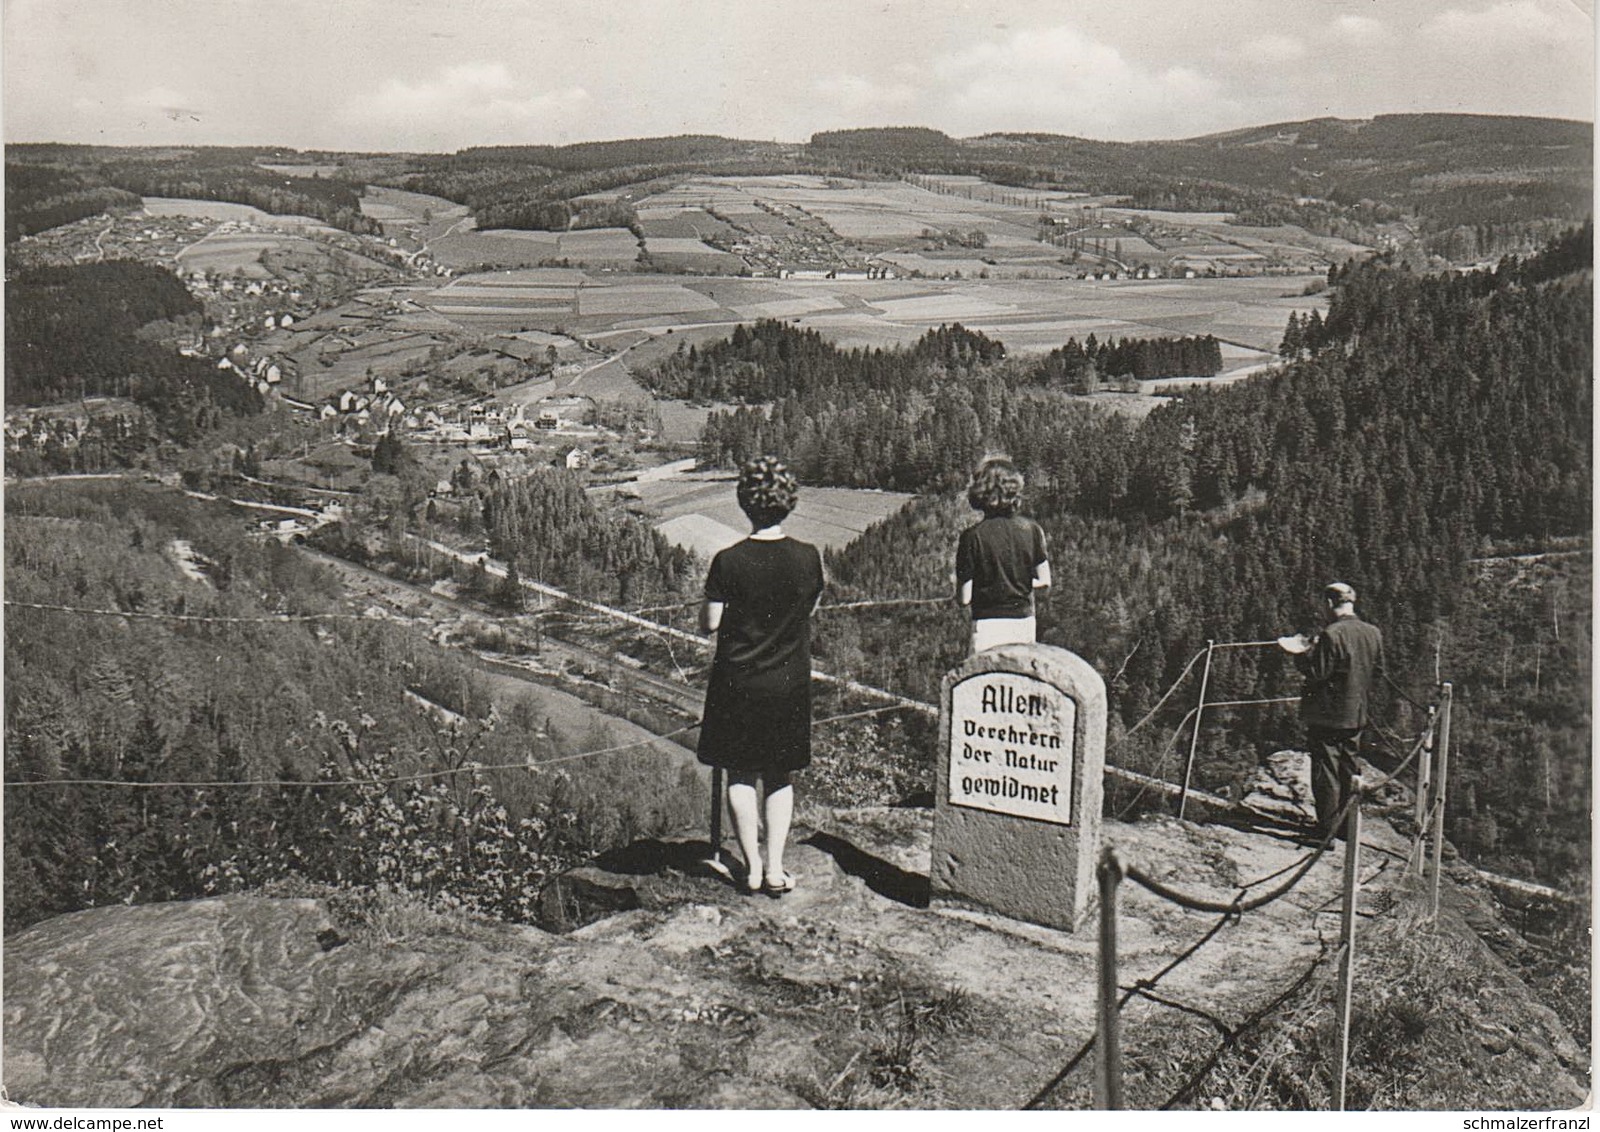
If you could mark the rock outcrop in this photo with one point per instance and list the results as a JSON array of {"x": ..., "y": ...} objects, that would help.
[{"x": 673, "y": 990}]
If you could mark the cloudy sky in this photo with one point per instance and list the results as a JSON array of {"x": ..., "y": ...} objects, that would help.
[{"x": 444, "y": 74}]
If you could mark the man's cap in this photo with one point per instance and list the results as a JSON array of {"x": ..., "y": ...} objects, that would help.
[{"x": 1339, "y": 593}]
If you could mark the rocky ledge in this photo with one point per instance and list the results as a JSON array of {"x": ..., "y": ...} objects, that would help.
[{"x": 673, "y": 990}]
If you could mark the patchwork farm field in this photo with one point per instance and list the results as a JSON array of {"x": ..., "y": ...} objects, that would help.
[
  {"x": 938, "y": 227},
  {"x": 1027, "y": 315},
  {"x": 960, "y": 250}
]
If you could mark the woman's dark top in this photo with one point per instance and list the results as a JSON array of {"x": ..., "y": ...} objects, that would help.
[
  {"x": 758, "y": 699},
  {"x": 998, "y": 557}
]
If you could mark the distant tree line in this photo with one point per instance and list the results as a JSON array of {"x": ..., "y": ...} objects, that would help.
[
  {"x": 772, "y": 360},
  {"x": 51, "y": 185},
  {"x": 546, "y": 527},
  {"x": 42, "y": 197},
  {"x": 1077, "y": 367},
  {"x": 244, "y": 182},
  {"x": 909, "y": 419},
  {"x": 1470, "y": 185}
]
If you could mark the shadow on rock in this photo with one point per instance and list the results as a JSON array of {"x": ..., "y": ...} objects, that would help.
[
  {"x": 883, "y": 878},
  {"x": 648, "y": 873},
  {"x": 653, "y": 857}
]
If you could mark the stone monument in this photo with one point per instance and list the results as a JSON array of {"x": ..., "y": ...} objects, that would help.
[{"x": 1018, "y": 783}]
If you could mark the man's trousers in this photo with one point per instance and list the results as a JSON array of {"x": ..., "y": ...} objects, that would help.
[{"x": 1333, "y": 768}]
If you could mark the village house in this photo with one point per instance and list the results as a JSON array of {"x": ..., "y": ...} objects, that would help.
[{"x": 517, "y": 438}]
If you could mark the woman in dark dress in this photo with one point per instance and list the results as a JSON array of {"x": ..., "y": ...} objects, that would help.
[{"x": 760, "y": 594}]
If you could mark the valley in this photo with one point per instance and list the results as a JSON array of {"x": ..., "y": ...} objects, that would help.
[{"x": 388, "y": 521}]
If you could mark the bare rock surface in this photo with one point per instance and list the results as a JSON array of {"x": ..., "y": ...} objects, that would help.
[{"x": 673, "y": 990}]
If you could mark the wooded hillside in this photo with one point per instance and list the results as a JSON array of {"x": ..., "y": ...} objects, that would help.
[{"x": 1438, "y": 417}]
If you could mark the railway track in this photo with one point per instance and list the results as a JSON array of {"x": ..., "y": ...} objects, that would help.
[{"x": 682, "y": 698}]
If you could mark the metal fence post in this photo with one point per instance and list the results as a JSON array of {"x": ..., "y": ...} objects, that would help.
[
  {"x": 1425, "y": 765},
  {"x": 1108, "y": 1034},
  {"x": 1424, "y": 804},
  {"x": 1194, "y": 738},
  {"x": 1347, "y": 964},
  {"x": 1446, "y": 696},
  {"x": 716, "y": 812}
]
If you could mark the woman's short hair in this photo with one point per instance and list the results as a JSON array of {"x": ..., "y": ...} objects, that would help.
[
  {"x": 768, "y": 491},
  {"x": 996, "y": 487}
]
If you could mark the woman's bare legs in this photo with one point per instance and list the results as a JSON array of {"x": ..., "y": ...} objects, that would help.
[
  {"x": 743, "y": 804},
  {"x": 780, "y": 811}
]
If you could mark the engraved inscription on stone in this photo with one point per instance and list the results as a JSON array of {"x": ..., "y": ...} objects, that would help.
[{"x": 1010, "y": 747}]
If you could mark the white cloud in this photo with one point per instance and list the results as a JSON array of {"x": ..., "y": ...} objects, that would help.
[
  {"x": 1059, "y": 79},
  {"x": 1361, "y": 28},
  {"x": 854, "y": 95},
  {"x": 158, "y": 98},
  {"x": 1536, "y": 55},
  {"x": 1275, "y": 48},
  {"x": 469, "y": 104},
  {"x": 1513, "y": 25}
]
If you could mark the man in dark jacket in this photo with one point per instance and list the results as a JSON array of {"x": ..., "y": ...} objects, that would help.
[{"x": 1340, "y": 666}]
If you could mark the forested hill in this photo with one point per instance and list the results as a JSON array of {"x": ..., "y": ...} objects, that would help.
[
  {"x": 83, "y": 331},
  {"x": 49, "y": 185},
  {"x": 1470, "y": 185},
  {"x": 1470, "y": 182},
  {"x": 1434, "y": 417},
  {"x": 907, "y": 418}
]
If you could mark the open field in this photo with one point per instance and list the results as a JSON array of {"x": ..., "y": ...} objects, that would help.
[
  {"x": 601, "y": 248},
  {"x": 698, "y": 510},
  {"x": 304, "y": 170},
  {"x": 225, "y": 210},
  {"x": 239, "y": 253},
  {"x": 389, "y": 330}
]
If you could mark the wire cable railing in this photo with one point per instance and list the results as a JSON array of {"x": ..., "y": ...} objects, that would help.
[{"x": 1229, "y": 910}]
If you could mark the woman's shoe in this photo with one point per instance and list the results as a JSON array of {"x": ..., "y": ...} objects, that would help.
[{"x": 777, "y": 888}]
